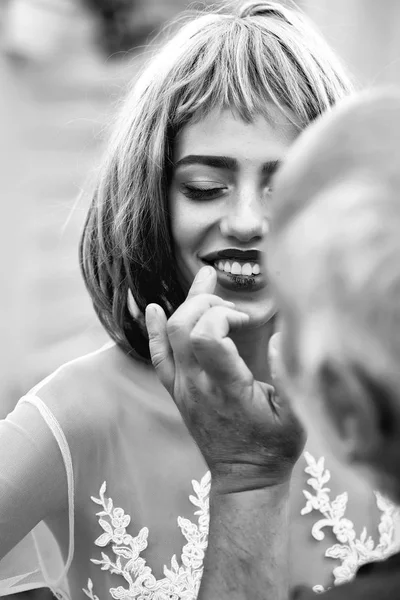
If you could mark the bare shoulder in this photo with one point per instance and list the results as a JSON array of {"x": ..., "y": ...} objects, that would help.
[
  {"x": 86, "y": 391},
  {"x": 103, "y": 392}
]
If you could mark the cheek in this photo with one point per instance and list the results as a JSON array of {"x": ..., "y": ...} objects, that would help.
[
  {"x": 187, "y": 234},
  {"x": 184, "y": 227},
  {"x": 191, "y": 223}
]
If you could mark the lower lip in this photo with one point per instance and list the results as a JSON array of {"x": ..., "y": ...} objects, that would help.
[{"x": 240, "y": 283}]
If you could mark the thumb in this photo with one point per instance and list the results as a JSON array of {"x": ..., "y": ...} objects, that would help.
[
  {"x": 160, "y": 349},
  {"x": 274, "y": 356},
  {"x": 281, "y": 398},
  {"x": 204, "y": 282}
]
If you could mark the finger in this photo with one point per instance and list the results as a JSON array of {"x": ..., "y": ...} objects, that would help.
[
  {"x": 280, "y": 399},
  {"x": 274, "y": 354},
  {"x": 204, "y": 282},
  {"x": 182, "y": 322},
  {"x": 215, "y": 352},
  {"x": 218, "y": 321},
  {"x": 277, "y": 371},
  {"x": 160, "y": 349}
]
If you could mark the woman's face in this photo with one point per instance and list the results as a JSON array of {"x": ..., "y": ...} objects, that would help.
[{"x": 220, "y": 201}]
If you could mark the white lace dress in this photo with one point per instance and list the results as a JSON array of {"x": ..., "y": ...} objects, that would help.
[
  {"x": 107, "y": 529},
  {"x": 182, "y": 577}
]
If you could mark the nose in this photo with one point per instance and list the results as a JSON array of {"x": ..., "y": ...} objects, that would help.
[{"x": 247, "y": 217}]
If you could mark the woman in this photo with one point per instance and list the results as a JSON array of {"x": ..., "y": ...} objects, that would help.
[{"x": 98, "y": 450}]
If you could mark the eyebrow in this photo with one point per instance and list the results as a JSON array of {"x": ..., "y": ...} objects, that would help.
[{"x": 224, "y": 162}]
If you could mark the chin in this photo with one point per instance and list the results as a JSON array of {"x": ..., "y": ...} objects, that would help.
[{"x": 260, "y": 314}]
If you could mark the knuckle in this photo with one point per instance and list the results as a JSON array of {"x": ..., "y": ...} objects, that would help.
[
  {"x": 174, "y": 325},
  {"x": 214, "y": 314},
  {"x": 198, "y": 335},
  {"x": 218, "y": 312},
  {"x": 217, "y": 302},
  {"x": 157, "y": 358},
  {"x": 201, "y": 337}
]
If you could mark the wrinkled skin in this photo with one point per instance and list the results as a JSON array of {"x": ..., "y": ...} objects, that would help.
[{"x": 248, "y": 434}]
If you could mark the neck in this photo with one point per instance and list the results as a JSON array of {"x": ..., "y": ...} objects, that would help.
[{"x": 252, "y": 344}]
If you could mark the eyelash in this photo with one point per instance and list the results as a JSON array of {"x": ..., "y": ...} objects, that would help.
[
  {"x": 195, "y": 193},
  {"x": 199, "y": 194}
]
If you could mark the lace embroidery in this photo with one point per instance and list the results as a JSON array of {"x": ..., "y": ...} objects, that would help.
[
  {"x": 180, "y": 582},
  {"x": 351, "y": 550}
]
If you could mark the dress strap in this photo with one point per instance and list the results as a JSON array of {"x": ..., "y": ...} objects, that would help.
[{"x": 59, "y": 435}]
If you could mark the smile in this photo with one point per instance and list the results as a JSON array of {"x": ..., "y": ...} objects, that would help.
[{"x": 237, "y": 270}]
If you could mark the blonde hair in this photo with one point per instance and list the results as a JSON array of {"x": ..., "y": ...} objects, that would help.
[{"x": 263, "y": 52}]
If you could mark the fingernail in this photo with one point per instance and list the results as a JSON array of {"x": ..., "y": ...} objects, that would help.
[
  {"x": 274, "y": 342},
  {"x": 151, "y": 311},
  {"x": 204, "y": 273},
  {"x": 229, "y": 304}
]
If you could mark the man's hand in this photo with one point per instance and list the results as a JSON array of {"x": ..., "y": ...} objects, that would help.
[{"x": 248, "y": 435}]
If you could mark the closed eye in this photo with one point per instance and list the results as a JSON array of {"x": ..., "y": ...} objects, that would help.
[{"x": 202, "y": 192}]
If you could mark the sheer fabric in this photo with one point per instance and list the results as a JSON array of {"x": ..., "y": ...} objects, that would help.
[
  {"x": 20, "y": 569},
  {"x": 97, "y": 454},
  {"x": 30, "y": 456}
]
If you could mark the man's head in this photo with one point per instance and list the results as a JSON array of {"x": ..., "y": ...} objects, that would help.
[{"x": 335, "y": 266}]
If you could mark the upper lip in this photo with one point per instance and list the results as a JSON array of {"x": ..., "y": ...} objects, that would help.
[{"x": 233, "y": 253}]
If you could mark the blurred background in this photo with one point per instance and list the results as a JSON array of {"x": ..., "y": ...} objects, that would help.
[{"x": 64, "y": 65}]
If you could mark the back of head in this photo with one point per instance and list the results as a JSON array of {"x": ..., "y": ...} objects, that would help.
[
  {"x": 337, "y": 222},
  {"x": 359, "y": 137},
  {"x": 243, "y": 60}
]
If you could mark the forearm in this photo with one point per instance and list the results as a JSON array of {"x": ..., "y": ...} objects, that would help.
[{"x": 247, "y": 555}]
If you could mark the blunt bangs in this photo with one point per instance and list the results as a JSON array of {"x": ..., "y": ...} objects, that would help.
[{"x": 244, "y": 63}]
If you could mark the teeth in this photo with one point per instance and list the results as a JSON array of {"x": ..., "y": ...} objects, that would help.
[
  {"x": 236, "y": 268},
  {"x": 246, "y": 269}
]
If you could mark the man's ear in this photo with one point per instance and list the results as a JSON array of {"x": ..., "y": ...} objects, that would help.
[
  {"x": 384, "y": 400},
  {"x": 361, "y": 409}
]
